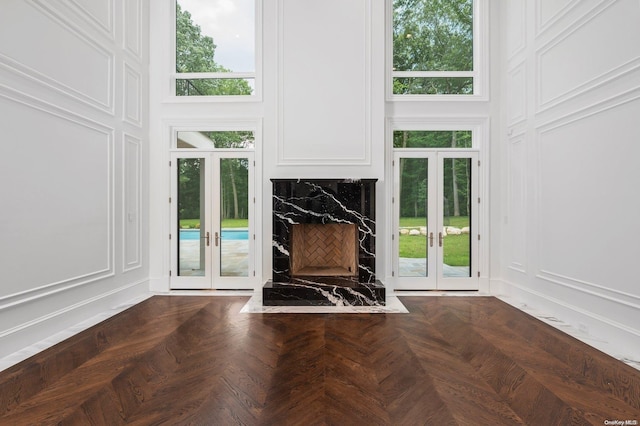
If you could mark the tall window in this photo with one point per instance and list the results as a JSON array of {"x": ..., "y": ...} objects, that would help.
[
  {"x": 433, "y": 47},
  {"x": 215, "y": 48}
]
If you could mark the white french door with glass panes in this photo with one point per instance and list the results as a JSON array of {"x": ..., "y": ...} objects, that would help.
[
  {"x": 435, "y": 205},
  {"x": 212, "y": 215}
]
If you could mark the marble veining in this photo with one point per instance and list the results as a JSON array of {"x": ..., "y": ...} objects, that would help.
[
  {"x": 342, "y": 201},
  {"x": 332, "y": 292},
  {"x": 255, "y": 306},
  {"x": 324, "y": 201}
]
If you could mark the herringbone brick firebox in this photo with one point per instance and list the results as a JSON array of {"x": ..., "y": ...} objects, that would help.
[{"x": 324, "y": 250}]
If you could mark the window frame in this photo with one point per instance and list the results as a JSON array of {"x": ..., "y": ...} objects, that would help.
[
  {"x": 479, "y": 125},
  {"x": 256, "y": 75},
  {"x": 216, "y": 125},
  {"x": 480, "y": 62}
]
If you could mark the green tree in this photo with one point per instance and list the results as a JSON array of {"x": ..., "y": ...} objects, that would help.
[
  {"x": 234, "y": 173},
  {"x": 195, "y": 54},
  {"x": 433, "y": 35},
  {"x": 189, "y": 170},
  {"x": 234, "y": 178},
  {"x": 413, "y": 172}
]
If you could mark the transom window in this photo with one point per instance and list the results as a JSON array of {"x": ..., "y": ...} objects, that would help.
[
  {"x": 219, "y": 139},
  {"x": 432, "y": 139},
  {"x": 433, "y": 47},
  {"x": 215, "y": 48}
]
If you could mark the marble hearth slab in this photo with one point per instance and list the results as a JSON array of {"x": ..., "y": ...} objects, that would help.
[
  {"x": 254, "y": 306},
  {"x": 323, "y": 291}
]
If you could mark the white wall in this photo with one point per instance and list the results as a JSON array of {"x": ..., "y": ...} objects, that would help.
[
  {"x": 73, "y": 158},
  {"x": 567, "y": 202}
]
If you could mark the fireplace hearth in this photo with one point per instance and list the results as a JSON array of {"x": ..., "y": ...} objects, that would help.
[{"x": 324, "y": 244}]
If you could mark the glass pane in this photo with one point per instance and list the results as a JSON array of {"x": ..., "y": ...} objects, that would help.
[
  {"x": 218, "y": 139},
  {"x": 433, "y": 35},
  {"x": 456, "y": 229},
  {"x": 215, "y": 36},
  {"x": 413, "y": 235},
  {"x": 214, "y": 86},
  {"x": 433, "y": 86},
  {"x": 432, "y": 139},
  {"x": 234, "y": 216},
  {"x": 191, "y": 222}
]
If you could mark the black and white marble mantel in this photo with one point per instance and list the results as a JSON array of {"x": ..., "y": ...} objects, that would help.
[{"x": 342, "y": 201}]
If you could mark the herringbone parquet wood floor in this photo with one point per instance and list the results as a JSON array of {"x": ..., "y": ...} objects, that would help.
[{"x": 197, "y": 360}]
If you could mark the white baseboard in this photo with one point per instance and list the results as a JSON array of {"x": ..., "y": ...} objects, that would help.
[
  {"x": 621, "y": 341},
  {"x": 26, "y": 339}
]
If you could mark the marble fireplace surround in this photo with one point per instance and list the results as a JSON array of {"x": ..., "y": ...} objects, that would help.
[{"x": 324, "y": 202}]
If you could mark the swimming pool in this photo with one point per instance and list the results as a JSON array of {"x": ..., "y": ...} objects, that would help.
[{"x": 227, "y": 234}]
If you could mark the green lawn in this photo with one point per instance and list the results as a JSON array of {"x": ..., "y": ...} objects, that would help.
[
  {"x": 456, "y": 247},
  {"x": 458, "y": 222},
  {"x": 226, "y": 223}
]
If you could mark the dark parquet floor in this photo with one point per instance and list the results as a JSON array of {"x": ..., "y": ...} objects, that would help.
[{"x": 197, "y": 360}]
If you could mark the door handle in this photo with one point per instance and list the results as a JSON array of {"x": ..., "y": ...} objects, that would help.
[
  {"x": 207, "y": 238},
  {"x": 430, "y": 239},
  {"x": 216, "y": 238},
  {"x": 440, "y": 238}
]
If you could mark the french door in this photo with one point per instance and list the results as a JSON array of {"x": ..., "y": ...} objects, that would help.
[
  {"x": 212, "y": 215},
  {"x": 435, "y": 203}
]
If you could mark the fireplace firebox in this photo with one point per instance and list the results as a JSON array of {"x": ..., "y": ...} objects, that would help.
[
  {"x": 324, "y": 243},
  {"x": 324, "y": 250}
]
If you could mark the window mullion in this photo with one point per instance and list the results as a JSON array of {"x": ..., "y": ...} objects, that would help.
[
  {"x": 433, "y": 73},
  {"x": 205, "y": 75}
]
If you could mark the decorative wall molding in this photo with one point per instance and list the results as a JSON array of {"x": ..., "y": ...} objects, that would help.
[
  {"x": 286, "y": 135},
  {"x": 611, "y": 335},
  {"x": 74, "y": 172},
  {"x": 517, "y": 94},
  {"x": 506, "y": 285},
  {"x": 619, "y": 110},
  {"x": 45, "y": 326},
  {"x": 617, "y": 100},
  {"x": 88, "y": 277},
  {"x": 517, "y": 267},
  {"x": 516, "y": 208},
  {"x": 131, "y": 203},
  {"x": 29, "y": 60},
  {"x": 132, "y": 95},
  {"x": 613, "y": 295},
  {"x": 599, "y": 75},
  {"x": 516, "y": 18},
  {"x": 543, "y": 23},
  {"x": 100, "y": 19},
  {"x": 132, "y": 27}
]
